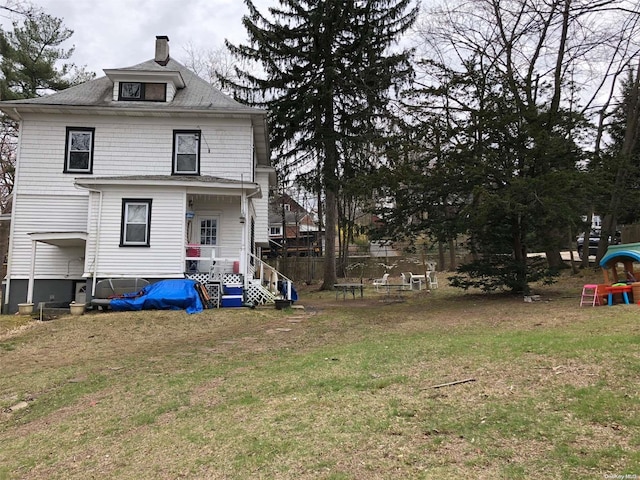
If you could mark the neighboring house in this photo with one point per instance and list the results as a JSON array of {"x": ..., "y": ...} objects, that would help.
[
  {"x": 146, "y": 172},
  {"x": 292, "y": 230}
]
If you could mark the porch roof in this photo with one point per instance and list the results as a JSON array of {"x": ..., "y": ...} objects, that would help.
[
  {"x": 230, "y": 187},
  {"x": 60, "y": 239}
]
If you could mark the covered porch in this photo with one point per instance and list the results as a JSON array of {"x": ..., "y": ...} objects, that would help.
[{"x": 71, "y": 241}]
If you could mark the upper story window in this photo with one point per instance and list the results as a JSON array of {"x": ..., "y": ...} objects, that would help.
[
  {"x": 143, "y": 91},
  {"x": 136, "y": 222},
  {"x": 79, "y": 150},
  {"x": 275, "y": 231},
  {"x": 186, "y": 152}
]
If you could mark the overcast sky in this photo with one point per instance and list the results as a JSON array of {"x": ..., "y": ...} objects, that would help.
[{"x": 121, "y": 33}]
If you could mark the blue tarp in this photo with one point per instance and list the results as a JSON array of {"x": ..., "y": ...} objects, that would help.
[
  {"x": 178, "y": 294},
  {"x": 282, "y": 288}
]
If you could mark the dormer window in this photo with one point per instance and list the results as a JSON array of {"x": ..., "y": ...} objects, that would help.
[{"x": 142, "y": 92}]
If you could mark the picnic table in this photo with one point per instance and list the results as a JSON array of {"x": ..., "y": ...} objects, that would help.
[{"x": 348, "y": 287}]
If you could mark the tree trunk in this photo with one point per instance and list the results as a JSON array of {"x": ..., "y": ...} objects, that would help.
[
  {"x": 453, "y": 262},
  {"x": 329, "y": 278},
  {"x": 628, "y": 146},
  {"x": 585, "y": 244},
  {"x": 554, "y": 259},
  {"x": 441, "y": 261}
]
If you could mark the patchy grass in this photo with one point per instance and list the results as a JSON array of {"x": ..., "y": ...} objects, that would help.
[{"x": 343, "y": 390}]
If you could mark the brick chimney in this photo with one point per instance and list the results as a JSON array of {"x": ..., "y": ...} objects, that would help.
[{"x": 162, "y": 50}]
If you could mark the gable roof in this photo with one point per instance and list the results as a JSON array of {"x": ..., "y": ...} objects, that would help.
[{"x": 198, "y": 97}]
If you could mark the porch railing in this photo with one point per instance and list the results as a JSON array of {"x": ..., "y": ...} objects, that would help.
[
  {"x": 200, "y": 258},
  {"x": 210, "y": 259},
  {"x": 271, "y": 277}
]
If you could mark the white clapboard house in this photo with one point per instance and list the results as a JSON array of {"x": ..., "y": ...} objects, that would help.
[{"x": 147, "y": 172}]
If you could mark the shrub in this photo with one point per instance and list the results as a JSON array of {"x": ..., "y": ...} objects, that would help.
[{"x": 503, "y": 272}]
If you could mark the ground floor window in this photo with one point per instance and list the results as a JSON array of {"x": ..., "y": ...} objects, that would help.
[{"x": 136, "y": 222}]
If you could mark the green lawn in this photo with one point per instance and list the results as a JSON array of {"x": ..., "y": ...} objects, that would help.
[{"x": 341, "y": 390}]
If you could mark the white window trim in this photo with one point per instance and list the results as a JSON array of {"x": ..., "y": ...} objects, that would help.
[
  {"x": 185, "y": 133},
  {"x": 126, "y": 203},
  {"x": 67, "y": 157}
]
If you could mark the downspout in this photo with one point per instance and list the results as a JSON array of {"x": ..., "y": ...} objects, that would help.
[
  {"x": 253, "y": 155},
  {"x": 13, "y": 210},
  {"x": 32, "y": 272},
  {"x": 247, "y": 226},
  {"x": 97, "y": 248},
  {"x": 243, "y": 243}
]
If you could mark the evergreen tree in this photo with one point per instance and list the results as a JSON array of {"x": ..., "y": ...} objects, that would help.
[
  {"x": 329, "y": 70},
  {"x": 30, "y": 53},
  {"x": 29, "y": 67}
]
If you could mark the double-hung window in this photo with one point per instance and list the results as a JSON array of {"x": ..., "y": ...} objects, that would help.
[
  {"x": 186, "y": 152},
  {"x": 136, "y": 222},
  {"x": 79, "y": 150}
]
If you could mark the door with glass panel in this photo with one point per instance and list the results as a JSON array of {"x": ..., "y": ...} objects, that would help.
[{"x": 207, "y": 234}]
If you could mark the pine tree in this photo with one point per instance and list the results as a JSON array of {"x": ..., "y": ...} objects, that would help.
[
  {"x": 29, "y": 56},
  {"x": 328, "y": 73},
  {"x": 29, "y": 68}
]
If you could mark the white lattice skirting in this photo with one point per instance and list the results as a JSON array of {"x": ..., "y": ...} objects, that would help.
[
  {"x": 199, "y": 277},
  {"x": 259, "y": 295},
  {"x": 256, "y": 293}
]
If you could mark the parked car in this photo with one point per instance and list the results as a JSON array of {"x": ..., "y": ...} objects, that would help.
[{"x": 594, "y": 241}]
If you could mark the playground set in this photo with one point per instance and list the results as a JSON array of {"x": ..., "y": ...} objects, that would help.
[{"x": 622, "y": 283}]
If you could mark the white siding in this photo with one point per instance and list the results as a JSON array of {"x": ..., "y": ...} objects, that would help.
[
  {"x": 165, "y": 255},
  {"x": 227, "y": 210},
  {"x": 171, "y": 91},
  {"x": 261, "y": 206},
  {"x": 128, "y": 146},
  {"x": 163, "y": 258},
  {"x": 123, "y": 146},
  {"x": 231, "y": 229},
  {"x": 43, "y": 213}
]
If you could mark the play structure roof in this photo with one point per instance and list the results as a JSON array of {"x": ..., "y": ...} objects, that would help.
[{"x": 629, "y": 252}]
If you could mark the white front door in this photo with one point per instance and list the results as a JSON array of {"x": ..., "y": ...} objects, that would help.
[{"x": 207, "y": 233}]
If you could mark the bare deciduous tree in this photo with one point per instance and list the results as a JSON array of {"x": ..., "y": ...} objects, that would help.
[{"x": 558, "y": 59}]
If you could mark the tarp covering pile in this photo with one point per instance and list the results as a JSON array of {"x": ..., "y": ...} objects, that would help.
[{"x": 180, "y": 294}]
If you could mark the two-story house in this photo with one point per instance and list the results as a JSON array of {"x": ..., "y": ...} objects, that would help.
[
  {"x": 292, "y": 230},
  {"x": 148, "y": 171}
]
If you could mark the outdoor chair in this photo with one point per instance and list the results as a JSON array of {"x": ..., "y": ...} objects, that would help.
[
  {"x": 432, "y": 279},
  {"x": 380, "y": 282},
  {"x": 406, "y": 281},
  {"x": 416, "y": 281}
]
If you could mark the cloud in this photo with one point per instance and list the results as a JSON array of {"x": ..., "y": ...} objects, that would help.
[{"x": 120, "y": 33}]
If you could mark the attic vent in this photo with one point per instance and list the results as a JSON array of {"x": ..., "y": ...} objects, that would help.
[{"x": 162, "y": 50}]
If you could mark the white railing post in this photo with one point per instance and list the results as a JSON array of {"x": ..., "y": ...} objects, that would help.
[{"x": 274, "y": 277}]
